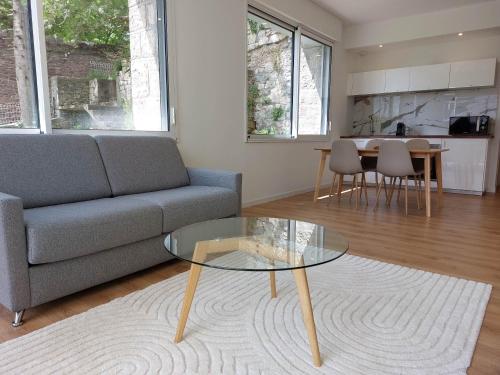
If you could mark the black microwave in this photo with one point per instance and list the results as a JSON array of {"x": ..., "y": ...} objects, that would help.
[{"x": 469, "y": 125}]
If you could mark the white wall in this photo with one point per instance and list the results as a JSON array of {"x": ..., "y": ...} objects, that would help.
[
  {"x": 210, "y": 53},
  {"x": 468, "y": 47}
]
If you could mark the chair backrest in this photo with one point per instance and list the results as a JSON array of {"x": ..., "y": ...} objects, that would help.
[
  {"x": 373, "y": 143},
  {"x": 394, "y": 159},
  {"x": 344, "y": 158},
  {"x": 418, "y": 144}
]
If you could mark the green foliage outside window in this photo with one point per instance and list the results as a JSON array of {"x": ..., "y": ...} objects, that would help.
[
  {"x": 255, "y": 26},
  {"x": 277, "y": 113},
  {"x": 5, "y": 14},
  {"x": 100, "y": 22},
  {"x": 96, "y": 22}
]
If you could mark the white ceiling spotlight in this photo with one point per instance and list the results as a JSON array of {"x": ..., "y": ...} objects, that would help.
[
  {"x": 380, "y": 45},
  {"x": 460, "y": 34}
]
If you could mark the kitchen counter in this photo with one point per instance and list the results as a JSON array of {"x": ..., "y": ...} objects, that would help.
[{"x": 420, "y": 136}]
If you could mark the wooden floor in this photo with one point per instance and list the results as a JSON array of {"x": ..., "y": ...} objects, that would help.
[{"x": 461, "y": 239}]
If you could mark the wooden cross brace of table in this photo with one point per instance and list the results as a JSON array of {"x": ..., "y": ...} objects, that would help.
[{"x": 253, "y": 245}]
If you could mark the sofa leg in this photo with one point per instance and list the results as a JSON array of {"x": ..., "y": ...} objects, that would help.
[{"x": 18, "y": 318}]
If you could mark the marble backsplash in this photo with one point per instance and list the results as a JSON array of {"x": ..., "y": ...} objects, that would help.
[{"x": 425, "y": 113}]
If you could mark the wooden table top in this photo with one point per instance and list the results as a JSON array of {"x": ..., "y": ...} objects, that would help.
[{"x": 372, "y": 151}]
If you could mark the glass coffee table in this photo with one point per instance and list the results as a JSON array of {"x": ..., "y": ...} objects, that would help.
[{"x": 256, "y": 244}]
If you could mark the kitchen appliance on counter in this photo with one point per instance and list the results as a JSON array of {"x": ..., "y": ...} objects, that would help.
[
  {"x": 469, "y": 125},
  {"x": 400, "y": 129}
]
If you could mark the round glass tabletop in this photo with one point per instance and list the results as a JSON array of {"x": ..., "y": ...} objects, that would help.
[{"x": 256, "y": 244}]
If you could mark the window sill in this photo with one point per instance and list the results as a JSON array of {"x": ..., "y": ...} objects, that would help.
[
  {"x": 300, "y": 139},
  {"x": 115, "y": 132},
  {"x": 19, "y": 131}
]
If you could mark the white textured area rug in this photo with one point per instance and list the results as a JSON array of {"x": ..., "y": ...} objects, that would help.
[{"x": 371, "y": 318}]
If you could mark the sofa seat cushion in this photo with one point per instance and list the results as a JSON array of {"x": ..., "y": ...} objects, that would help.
[
  {"x": 136, "y": 164},
  {"x": 192, "y": 204},
  {"x": 72, "y": 230}
]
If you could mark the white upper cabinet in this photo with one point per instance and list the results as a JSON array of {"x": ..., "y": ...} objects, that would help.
[
  {"x": 367, "y": 83},
  {"x": 473, "y": 73},
  {"x": 463, "y": 74},
  {"x": 397, "y": 80},
  {"x": 429, "y": 77},
  {"x": 349, "y": 84}
]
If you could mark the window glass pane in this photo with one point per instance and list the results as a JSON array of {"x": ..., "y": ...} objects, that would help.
[
  {"x": 270, "y": 71},
  {"x": 314, "y": 86},
  {"x": 17, "y": 91},
  {"x": 103, "y": 64}
]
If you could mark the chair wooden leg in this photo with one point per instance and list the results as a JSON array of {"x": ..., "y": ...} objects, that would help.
[
  {"x": 339, "y": 188},
  {"x": 352, "y": 188},
  {"x": 376, "y": 179},
  {"x": 388, "y": 192},
  {"x": 417, "y": 191},
  {"x": 363, "y": 182},
  {"x": 357, "y": 190},
  {"x": 399, "y": 189},
  {"x": 392, "y": 184},
  {"x": 379, "y": 190},
  {"x": 331, "y": 188},
  {"x": 406, "y": 195},
  {"x": 385, "y": 188}
]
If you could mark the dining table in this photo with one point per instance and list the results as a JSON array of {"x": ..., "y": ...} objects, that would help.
[{"x": 428, "y": 155}]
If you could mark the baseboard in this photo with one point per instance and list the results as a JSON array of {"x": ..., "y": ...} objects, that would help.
[{"x": 274, "y": 197}]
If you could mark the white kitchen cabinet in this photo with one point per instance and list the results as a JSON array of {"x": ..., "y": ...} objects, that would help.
[
  {"x": 429, "y": 77},
  {"x": 475, "y": 73},
  {"x": 367, "y": 83},
  {"x": 464, "y": 165},
  {"x": 462, "y": 74},
  {"x": 349, "y": 84},
  {"x": 397, "y": 80}
]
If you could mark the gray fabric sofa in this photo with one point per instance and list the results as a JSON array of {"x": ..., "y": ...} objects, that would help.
[{"x": 77, "y": 211}]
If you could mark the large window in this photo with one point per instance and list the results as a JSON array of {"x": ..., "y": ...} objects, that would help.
[
  {"x": 288, "y": 79},
  {"x": 270, "y": 75},
  {"x": 18, "y": 108},
  {"x": 101, "y": 64}
]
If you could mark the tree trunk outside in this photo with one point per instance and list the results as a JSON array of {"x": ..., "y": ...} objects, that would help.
[{"x": 24, "y": 72}]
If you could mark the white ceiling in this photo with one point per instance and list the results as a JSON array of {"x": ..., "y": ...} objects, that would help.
[{"x": 365, "y": 11}]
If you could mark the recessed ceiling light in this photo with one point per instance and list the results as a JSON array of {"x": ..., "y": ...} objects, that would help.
[
  {"x": 460, "y": 34},
  {"x": 380, "y": 45}
]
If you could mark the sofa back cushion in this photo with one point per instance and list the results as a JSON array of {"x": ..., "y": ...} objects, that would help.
[
  {"x": 46, "y": 170},
  {"x": 139, "y": 164}
]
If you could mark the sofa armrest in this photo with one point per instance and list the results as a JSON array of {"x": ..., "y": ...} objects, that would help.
[
  {"x": 211, "y": 177},
  {"x": 14, "y": 276}
]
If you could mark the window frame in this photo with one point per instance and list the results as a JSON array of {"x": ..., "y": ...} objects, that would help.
[
  {"x": 298, "y": 30},
  {"x": 327, "y": 87},
  {"x": 41, "y": 77}
]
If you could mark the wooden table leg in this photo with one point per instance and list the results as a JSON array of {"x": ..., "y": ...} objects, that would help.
[
  {"x": 427, "y": 167},
  {"x": 439, "y": 177},
  {"x": 272, "y": 280},
  {"x": 319, "y": 175},
  {"x": 307, "y": 312},
  {"x": 194, "y": 275}
]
